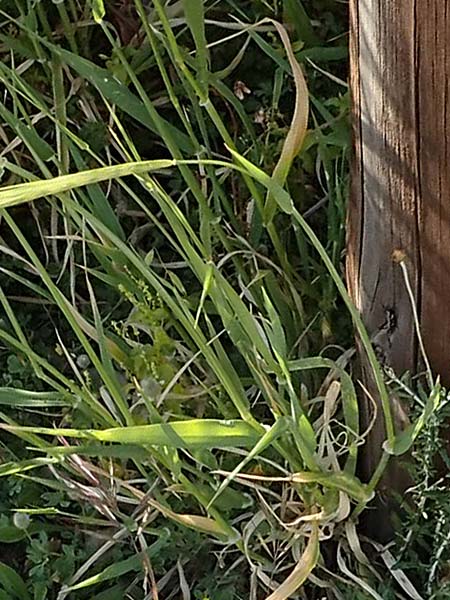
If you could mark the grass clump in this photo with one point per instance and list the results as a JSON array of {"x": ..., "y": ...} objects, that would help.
[{"x": 178, "y": 418}]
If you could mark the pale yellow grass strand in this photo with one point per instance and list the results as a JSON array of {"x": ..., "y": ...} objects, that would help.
[{"x": 303, "y": 568}]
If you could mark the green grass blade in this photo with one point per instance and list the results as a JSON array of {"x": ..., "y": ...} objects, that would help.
[
  {"x": 405, "y": 439},
  {"x": 195, "y": 18},
  {"x": 18, "y": 398},
  {"x": 26, "y": 192},
  {"x": 195, "y": 433},
  {"x": 122, "y": 567},
  {"x": 297, "y": 16},
  {"x": 117, "y": 93}
]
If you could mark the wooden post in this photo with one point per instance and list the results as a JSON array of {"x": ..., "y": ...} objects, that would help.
[{"x": 400, "y": 196}]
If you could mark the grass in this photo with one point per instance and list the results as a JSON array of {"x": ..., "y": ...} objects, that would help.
[{"x": 179, "y": 415}]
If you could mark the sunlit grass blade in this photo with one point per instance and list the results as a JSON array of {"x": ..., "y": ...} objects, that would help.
[
  {"x": 26, "y": 192},
  {"x": 194, "y": 433}
]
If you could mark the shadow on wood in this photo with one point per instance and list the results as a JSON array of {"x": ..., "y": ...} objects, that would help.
[{"x": 400, "y": 194}]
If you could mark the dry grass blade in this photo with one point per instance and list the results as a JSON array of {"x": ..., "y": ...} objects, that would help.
[
  {"x": 305, "y": 565},
  {"x": 339, "y": 481},
  {"x": 297, "y": 131},
  {"x": 403, "y": 580},
  {"x": 358, "y": 580},
  {"x": 197, "y": 522}
]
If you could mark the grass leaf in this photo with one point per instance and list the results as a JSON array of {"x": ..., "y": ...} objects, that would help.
[
  {"x": 305, "y": 565},
  {"x": 194, "y": 433}
]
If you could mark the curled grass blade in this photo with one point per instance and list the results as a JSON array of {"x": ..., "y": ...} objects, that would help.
[{"x": 297, "y": 130}]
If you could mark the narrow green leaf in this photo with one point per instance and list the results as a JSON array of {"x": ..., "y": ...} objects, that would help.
[
  {"x": 117, "y": 569},
  {"x": 42, "y": 150},
  {"x": 18, "y": 398},
  {"x": 12, "y": 468},
  {"x": 96, "y": 199},
  {"x": 405, "y": 439},
  {"x": 115, "y": 593},
  {"x": 194, "y": 12},
  {"x": 296, "y": 15},
  {"x": 205, "y": 291},
  {"x": 274, "y": 328},
  {"x": 118, "y": 94}
]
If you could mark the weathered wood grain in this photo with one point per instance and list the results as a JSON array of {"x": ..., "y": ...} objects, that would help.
[{"x": 400, "y": 195}]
